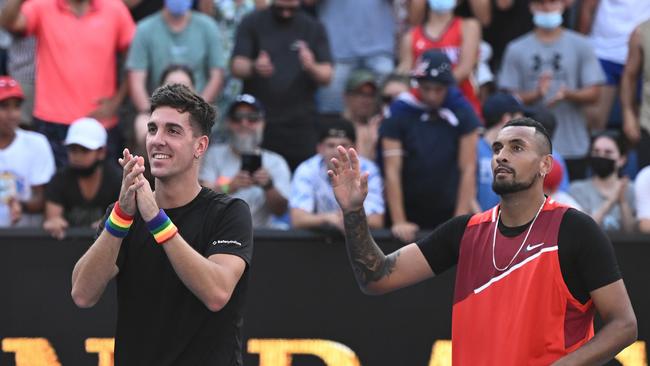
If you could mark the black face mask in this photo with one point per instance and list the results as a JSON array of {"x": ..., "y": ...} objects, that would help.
[
  {"x": 277, "y": 13},
  {"x": 87, "y": 171},
  {"x": 602, "y": 167}
]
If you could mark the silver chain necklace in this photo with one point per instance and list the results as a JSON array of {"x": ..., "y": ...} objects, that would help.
[{"x": 494, "y": 239}]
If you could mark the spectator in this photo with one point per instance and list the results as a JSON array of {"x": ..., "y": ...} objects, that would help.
[
  {"x": 498, "y": 109},
  {"x": 76, "y": 63},
  {"x": 609, "y": 23},
  {"x": 642, "y": 193},
  {"x": 283, "y": 55},
  {"x": 362, "y": 35},
  {"x": 78, "y": 194},
  {"x": 175, "y": 35},
  {"x": 636, "y": 123},
  {"x": 240, "y": 168},
  {"x": 312, "y": 199},
  {"x": 362, "y": 109},
  {"x": 26, "y": 162},
  {"x": 458, "y": 38},
  {"x": 556, "y": 67},
  {"x": 552, "y": 186},
  {"x": 606, "y": 197},
  {"x": 422, "y": 144},
  {"x": 392, "y": 87}
]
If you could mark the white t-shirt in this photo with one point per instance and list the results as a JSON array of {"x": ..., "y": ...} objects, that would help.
[
  {"x": 642, "y": 193},
  {"x": 221, "y": 164},
  {"x": 26, "y": 162},
  {"x": 614, "y": 22}
]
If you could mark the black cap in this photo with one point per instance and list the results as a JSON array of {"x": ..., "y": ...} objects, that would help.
[
  {"x": 434, "y": 65},
  {"x": 338, "y": 128},
  {"x": 245, "y": 99},
  {"x": 496, "y": 105}
]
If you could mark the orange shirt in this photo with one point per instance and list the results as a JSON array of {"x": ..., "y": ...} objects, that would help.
[
  {"x": 76, "y": 56},
  {"x": 523, "y": 314}
]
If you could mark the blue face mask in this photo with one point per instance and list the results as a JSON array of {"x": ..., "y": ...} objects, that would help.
[
  {"x": 550, "y": 20},
  {"x": 442, "y": 6},
  {"x": 178, "y": 8}
]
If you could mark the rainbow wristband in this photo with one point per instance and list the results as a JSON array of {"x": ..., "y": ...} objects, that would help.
[
  {"x": 118, "y": 222},
  {"x": 161, "y": 227}
]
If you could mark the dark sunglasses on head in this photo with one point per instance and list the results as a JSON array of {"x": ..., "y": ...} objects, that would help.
[{"x": 250, "y": 117}]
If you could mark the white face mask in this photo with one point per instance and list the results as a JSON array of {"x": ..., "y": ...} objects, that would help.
[
  {"x": 547, "y": 20},
  {"x": 442, "y": 6}
]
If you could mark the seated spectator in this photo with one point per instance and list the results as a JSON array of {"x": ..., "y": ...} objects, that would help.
[
  {"x": 552, "y": 186},
  {"x": 498, "y": 109},
  {"x": 26, "y": 162},
  {"x": 393, "y": 86},
  {"x": 605, "y": 196},
  {"x": 244, "y": 170},
  {"x": 429, "y": 151},
  {"x": 642, "y": 193},
  {"x": 556, "y": 68},
  {"x": 78, "y": 194},
  {"x": 457, "y": 37},
  {"x": 312, "y": 199},
  {"x": 362, "y": 109},
  {"x": 175, "y": 35}
]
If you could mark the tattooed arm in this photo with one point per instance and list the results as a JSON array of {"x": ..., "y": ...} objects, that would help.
[{"x": 375, "y": 272}]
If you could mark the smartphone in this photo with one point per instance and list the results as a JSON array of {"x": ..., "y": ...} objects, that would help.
[{"x": 251, "y": 162}]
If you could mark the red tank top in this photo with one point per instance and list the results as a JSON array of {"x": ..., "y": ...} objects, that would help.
[
  {"x": 523, "y": 314},
  {"x": 450, "y": 43}
]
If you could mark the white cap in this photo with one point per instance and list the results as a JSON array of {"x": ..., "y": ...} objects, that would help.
[{"x": 87, "y": 132}]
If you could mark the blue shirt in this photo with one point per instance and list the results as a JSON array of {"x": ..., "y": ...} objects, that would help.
[
  {"x": 311, "y": 190},
  {"x": 484, "y": 194}
]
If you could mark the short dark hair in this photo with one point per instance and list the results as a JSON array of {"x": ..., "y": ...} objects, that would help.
[
  {"x": 177, "y": 67},
  {"x": 614, "y": 136},
  {"x": 181, "y": 98},
  {"x": 539, "y": 129}
]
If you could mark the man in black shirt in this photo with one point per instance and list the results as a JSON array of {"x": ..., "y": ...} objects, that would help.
[
  {"x": 181, "y": 272},
  {"x": 283, "y": 55},
  {"x": 78, "y": 194},
  {"x": 530, "y": 272}
]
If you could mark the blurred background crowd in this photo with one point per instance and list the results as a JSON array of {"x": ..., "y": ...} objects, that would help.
[{"x": 419, "y": 87}]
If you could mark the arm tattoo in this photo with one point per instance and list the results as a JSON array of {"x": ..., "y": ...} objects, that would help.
[{"x": 368, "y": 261}]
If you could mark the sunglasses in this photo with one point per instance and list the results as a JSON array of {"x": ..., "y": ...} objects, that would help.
[{"x": 250, "y": 117}]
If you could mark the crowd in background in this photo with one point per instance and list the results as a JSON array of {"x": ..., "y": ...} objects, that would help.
[{"x": 419, "y": 87}]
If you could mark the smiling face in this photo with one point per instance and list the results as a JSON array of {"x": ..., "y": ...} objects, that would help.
[
  {"x": 520, "y": 160},
  {"x": 173, "y": 143}
]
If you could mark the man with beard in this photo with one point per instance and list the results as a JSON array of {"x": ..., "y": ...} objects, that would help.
[
  {"x": 244, "y": 170},
  {"x": 530, "y": 272},
  {"x": 79, "y": 193},
  {"x": 283, "y": 56}
]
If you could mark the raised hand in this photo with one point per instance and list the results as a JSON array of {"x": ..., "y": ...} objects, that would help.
[
  {"x": 145, "y": 199},
  {"x": 263, "y": 65},
  {"x": 130, "y": 182},
  {"x": 349, "y": 184}
]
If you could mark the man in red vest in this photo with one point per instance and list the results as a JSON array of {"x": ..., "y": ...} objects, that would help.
[{"x": 530, "y": 272}]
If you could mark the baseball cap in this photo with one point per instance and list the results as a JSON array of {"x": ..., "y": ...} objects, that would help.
[
  {"x": 434, "y": 65},
  {"x": 337, "y": 128},
  {"x": 360, "y": 77},
  {"x": 553, "y": 179},
  {"x": 10, "y": 88},
  {"x": 245, "y": 99},
  {"x": 87, "y": 132},
  {"x": 498, "y": 104}
]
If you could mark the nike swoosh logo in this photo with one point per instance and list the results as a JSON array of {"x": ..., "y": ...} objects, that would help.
[{"x": 532, "y": 247}]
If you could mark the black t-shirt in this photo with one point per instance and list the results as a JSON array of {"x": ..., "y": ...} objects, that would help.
[
  {"x": 587, "y": 258},
  {"x": 289, "y": 94},
  {"x": 160, "y": 321},
  {"x": 64, "y": 190}
]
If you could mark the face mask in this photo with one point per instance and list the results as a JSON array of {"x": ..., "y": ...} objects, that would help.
[
  {"x": 442, "y": 6},
  {"x": 178, "y": 8},
  {"x": 550, "y": 20},
  {"x": 87, "y": 171},
  {"x": 602, "y": 167}
]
